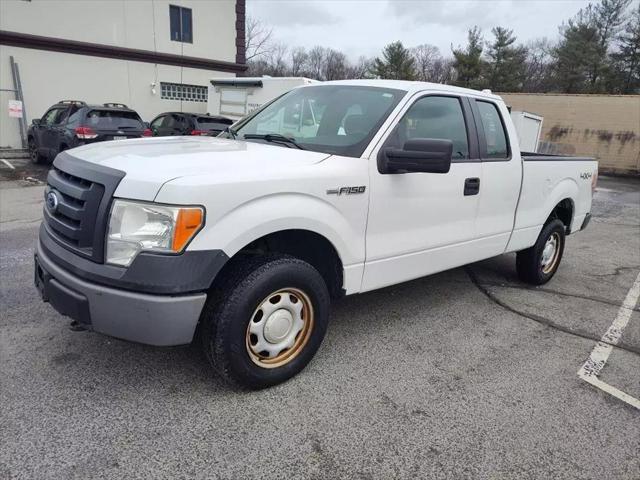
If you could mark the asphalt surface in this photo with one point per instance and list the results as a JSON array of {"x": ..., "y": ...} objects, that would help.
[{"x": 464, "y": 374}]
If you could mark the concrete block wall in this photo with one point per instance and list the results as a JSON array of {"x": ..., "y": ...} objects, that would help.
[{"x": 603, "y": 126}]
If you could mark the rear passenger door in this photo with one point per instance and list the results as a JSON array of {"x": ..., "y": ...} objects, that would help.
[
  {"x": 501, "y": 177},
  {"x": 422, "y": 223}
]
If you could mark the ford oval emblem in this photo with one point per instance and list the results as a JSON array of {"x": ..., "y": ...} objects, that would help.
[{"x": 52, "y": 201}]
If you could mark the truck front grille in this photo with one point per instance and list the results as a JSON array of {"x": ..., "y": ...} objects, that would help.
[{"x": 77, "y": 199}]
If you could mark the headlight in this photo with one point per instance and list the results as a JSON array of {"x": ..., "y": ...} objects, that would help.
[{"x": 136, "y": 226}]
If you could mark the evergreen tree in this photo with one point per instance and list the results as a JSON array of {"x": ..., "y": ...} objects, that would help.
[
  {"x": 627, "y": 59},
  {"x": 468, "y": 61},
  {"x": 608, "y": 18},
  {"x": 576, "y": 53},
  {"x": 506, "y": 65},
  {"x": 582, "y": 60},
  {"x": 396, "y": 63}
]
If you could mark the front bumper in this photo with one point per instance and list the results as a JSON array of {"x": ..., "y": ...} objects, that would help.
[{"x": 161, "y": 320}]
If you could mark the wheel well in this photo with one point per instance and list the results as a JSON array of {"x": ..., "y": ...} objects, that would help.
[
  {"x": 563, "y": 211},
  {"x": 305, "y": 245}
]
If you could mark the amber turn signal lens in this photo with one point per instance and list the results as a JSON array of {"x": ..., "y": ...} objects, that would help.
[{"x": 188, "y": 223}]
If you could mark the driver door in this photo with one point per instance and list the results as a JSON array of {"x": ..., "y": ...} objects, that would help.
[{"x": 422, "y": 223}]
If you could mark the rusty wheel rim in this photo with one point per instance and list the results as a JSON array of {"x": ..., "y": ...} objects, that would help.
[
  {"x": 279, "y": 328},
  {"x": 550, "y": 253}
]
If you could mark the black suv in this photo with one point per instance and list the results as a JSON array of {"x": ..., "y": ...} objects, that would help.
[
  {"x": 71, "y": 123},
  {"x": 180, "y": 123}
]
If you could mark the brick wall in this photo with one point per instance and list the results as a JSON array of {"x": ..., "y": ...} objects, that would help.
[{"x": 603, "y": 126}]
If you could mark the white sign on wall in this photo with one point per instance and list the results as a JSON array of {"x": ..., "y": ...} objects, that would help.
[{"x": 15, "y": 108}]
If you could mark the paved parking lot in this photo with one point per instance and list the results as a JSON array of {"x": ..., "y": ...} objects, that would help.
[{"x": 465, "y": 374}]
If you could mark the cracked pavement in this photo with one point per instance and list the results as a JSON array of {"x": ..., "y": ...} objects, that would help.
[{"x": 464, "y": 374}]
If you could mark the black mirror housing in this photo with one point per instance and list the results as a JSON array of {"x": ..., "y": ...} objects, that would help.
[
  {"x": 427, "y": 155},
  {"x": 35, "y": 121}
]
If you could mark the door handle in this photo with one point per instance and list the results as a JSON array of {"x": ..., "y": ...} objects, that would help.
[{"x": 472, "y": 186}]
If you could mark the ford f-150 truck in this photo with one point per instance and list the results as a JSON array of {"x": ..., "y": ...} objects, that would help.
[{"x": 242, "y": 241}]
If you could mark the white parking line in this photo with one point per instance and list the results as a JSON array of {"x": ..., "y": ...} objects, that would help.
[
  {"x": 7, "y": 163},
  {"x": 600, "y": 354}
]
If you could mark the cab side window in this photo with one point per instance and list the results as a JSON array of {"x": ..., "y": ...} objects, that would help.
[
  {"x": 435, "y": 117},
  {"x": 54, "y": 116},
  {"x": 494, "y": 133},
  {"x": 60, "y": 117},
  {"x": 157, "y": 122}
]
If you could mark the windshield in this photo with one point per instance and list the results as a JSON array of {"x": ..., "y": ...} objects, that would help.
[{"x": 336, "y": 119}]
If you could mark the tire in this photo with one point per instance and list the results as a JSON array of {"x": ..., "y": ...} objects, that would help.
[
  {"x": 264, "y": 299},
  {"x": 34, "y": 156},
  {"x": 536, "y": 267}
]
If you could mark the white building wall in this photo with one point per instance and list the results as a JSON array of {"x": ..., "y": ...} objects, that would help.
[
  {"x": 127, "y": 23},
  {"x": 48, "y": 77}
]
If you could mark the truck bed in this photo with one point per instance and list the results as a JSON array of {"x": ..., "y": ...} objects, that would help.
[
  {"x": 541, "y": 157},
  {"x": 548, "y": 180}
]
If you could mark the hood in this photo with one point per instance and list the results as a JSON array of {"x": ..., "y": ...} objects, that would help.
[{"x": 150, "y": 162}]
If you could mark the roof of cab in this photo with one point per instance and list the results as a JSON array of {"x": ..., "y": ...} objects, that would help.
[{"x": 411, "y": 86}]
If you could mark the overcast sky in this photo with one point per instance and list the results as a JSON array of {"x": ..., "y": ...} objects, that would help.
[{"x": 363, "y": 27}]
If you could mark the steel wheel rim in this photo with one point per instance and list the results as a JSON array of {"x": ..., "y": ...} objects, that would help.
[
  {"x": 550, "y": 253},
  {"x": 279, "y": 328}
]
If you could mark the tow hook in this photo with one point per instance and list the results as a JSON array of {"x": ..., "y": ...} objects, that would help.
[{"x": 76, "y": 326}]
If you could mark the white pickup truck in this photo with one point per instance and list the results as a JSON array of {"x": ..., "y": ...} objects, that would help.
[{"x": 242, "y": 241}]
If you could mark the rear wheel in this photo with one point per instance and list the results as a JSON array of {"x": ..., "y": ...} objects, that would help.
[
  {"x": 538, "y": 264},
  {"x": 264, "y": 325}
]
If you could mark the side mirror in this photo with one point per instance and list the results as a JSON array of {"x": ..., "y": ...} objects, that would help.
[
  {"x": 429, "y": 155},
  {"x": 146, "y": 124},
  {"x": 35, "y": 121}
]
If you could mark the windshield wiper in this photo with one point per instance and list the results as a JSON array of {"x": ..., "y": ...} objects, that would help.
[
  {"x": 274, "y": 138},
  {"x": 230, "y": 131}
]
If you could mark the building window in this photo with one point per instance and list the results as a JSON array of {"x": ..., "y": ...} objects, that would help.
[
  {"x": 181, "y": 24},
  {"x": 180, "y": 91}
]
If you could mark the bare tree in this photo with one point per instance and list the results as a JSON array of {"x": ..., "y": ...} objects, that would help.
[
  {"x": 538, "y": 75},
  {"x": 299, "y": 60},
  {"x": 360, "y": 69},
  {"x": 425, "y": 57},
  {"x": 257, "y": 39},
  {"x": 335, "y": 65},
  {"x": 443, "y": 71},
  {"x": 278, "y": 60}
]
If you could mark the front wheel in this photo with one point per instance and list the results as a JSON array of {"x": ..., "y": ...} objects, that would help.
[
  {"x": 34, "y": 155},
  {"x": 538, "y": 264},
  {"x": 264, "y": 325}
]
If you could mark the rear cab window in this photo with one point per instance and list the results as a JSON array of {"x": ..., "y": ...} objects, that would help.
[{"x": 492, "y": 131}]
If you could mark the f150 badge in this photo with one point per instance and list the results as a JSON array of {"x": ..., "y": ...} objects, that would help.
[{"x": 346, "y": 190}]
